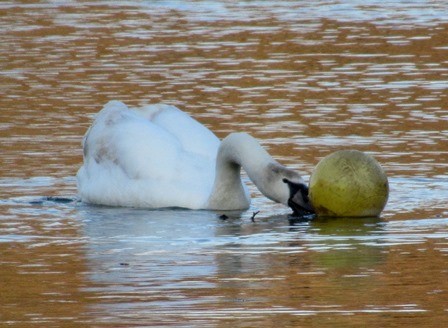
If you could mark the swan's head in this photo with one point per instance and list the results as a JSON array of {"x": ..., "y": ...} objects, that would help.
[
  {"x": 298, "y": 198},
  {"x": 285, "y": 186}
]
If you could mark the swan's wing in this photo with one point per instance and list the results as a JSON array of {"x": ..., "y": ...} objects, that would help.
[
  {"x": 193, "y": 136},
  {"x": 139, "y": 146},
  {"x": 131, "y": 161}
]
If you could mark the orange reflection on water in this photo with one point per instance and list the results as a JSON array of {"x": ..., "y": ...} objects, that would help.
[{"x": 304, "y": 86}]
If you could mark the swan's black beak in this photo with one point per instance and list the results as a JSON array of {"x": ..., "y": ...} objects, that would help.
[{"x": 298, "y": 200}]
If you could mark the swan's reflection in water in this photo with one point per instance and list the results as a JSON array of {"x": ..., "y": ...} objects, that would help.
[{"x": 165, "y": 263}]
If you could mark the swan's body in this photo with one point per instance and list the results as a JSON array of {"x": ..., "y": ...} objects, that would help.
[{"x": 159, "y": 156}]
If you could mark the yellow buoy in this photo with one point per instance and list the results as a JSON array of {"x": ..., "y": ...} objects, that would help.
[{"x": 348, "y": 183}]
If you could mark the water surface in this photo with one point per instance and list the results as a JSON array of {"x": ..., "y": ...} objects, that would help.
[{"x": 306, "y": 79}]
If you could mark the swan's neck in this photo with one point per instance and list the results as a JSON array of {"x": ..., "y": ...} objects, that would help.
[{"x": 241, "y": 150}]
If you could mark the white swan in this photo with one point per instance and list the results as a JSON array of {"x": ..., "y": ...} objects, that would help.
[{"x": 158, "y": 156}]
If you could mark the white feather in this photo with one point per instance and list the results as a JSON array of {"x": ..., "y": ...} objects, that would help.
[
  {"x": 155, "y": 157},
  {"x": 158, "y": 156}
]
